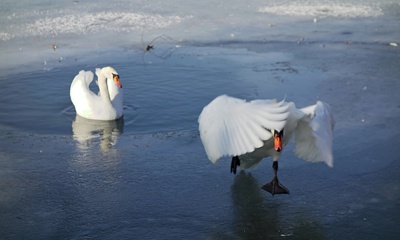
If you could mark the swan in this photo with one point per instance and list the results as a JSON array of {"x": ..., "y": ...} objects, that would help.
[
  {"x": 107, "y": 105},
  {"x": 251, "y": 131}
]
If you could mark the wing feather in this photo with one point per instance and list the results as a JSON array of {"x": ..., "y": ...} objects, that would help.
[
  {"x": 231, "y": 127},
  {"x": 236, "y": 138},
  {"x": 314, "y": 134},
  {"x": 80, "y": 92}
]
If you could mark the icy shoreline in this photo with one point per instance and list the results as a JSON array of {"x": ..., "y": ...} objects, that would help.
[{"x": 49, "y": 35}]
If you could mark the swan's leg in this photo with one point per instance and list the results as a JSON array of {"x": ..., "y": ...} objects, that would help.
[
  {"x": 235, "y": 162},
  {"x": 275, "y": 187}
]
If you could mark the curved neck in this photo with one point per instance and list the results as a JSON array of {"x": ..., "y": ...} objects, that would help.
[
  {"x": 104, "y": 94},
  {"x": 112, "y": 90}
]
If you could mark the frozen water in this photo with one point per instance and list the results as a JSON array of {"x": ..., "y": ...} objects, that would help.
[
  {"x": 29, "y": 30},
  {"x": 322, "y": 9},
  {"x": 146, "y": 176}
]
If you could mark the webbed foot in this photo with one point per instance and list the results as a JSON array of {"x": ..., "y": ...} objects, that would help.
[{"x": 275, "y": 187}]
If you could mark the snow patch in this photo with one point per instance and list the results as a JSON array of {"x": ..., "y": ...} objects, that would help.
[
  {"x": 324, "y": 10},
  {"x": 83, "y": 23}
]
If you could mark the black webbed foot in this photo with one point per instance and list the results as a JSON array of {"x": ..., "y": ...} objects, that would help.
[{"x": 275, "y": 187}]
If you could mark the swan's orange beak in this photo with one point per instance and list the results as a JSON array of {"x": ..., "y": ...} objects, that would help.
[
  {"x": 278, "y": 141},
  {"x": 116, "y": 80}
]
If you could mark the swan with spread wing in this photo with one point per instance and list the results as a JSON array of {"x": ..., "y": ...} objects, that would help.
[{"x": 251, "y": 131}]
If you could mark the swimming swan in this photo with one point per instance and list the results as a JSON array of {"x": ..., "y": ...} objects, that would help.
[
  {"x": 107, "y": 105},
  {"x": 251, "y": 131}
]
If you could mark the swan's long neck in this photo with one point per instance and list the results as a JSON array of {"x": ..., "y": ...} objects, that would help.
[
  {"x": 112, "y": 90},
  {"x": 104, "y": 94}
]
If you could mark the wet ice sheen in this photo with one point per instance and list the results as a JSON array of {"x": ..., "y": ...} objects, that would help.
[{"x": 146, "y": 176}]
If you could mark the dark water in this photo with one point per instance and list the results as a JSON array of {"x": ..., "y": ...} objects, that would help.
[
  {"x": 147, "y": 176},
  {"x": 158, "y": 96}
]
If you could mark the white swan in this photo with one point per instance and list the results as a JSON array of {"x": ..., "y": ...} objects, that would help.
[
  {"x": 107, "y": 105},
  {"x": 251, "y": 131}
]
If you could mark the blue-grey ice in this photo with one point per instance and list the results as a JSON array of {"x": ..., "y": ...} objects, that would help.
[{"x": 147, "y": 175}]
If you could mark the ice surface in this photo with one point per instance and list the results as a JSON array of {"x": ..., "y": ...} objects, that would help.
[
  {"x": 322, "y": 9},
  {"x": 82, "y": 23},
  {"x": 29, "y": 31},
  {"x": 147, "y": 176}
]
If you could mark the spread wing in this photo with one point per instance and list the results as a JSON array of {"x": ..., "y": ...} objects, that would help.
[
  {"x": 314, "y": 134},
  {"x": 231, "y": 127}
]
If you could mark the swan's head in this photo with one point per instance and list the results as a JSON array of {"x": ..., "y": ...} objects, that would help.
[
  {"x": 110, "y": 73},
  {"x": 277, "y": 140}
]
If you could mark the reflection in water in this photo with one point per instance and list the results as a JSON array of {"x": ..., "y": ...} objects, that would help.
[
  {"x": 253, "y": 218},
  {"x": 95, "y": 175},
  {"x": 258, "y": 217},
  {"x": 89, "y": 132}
]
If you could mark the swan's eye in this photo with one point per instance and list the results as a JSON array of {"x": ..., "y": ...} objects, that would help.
[
  {"x": 277, "y": 133},
  {"x": 116, "y": 77},
  {"x": 116, "y": 80}
]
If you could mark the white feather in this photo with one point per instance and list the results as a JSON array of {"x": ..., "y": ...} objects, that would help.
[
  {"x": 106, "y": 105},
  {"x": 233, "y": 127},
  {"x": 314, "y": 134}
]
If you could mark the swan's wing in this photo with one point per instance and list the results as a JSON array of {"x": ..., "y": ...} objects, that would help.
[
  {"x": 81, "y": 82},
  {"x": 314, "y": 134},
  {"x": 231, "y": 127},
  {"x": 81, "y": 96}
]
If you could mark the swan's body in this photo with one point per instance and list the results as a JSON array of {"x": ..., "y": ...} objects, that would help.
[
  {"x": 107, "y": 104},
  {"x": 248, "y": 132}
]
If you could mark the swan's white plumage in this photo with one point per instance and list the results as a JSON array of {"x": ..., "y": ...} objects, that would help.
[
  {"x": 106, "y": 105},
  {"x": 233, "y": 127},
  {"x": 313, "y": 137}
]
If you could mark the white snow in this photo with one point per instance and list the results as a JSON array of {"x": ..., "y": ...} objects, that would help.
[
  {"x": 33, "y": 32},
  {"x": 321, "y": 10}
]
